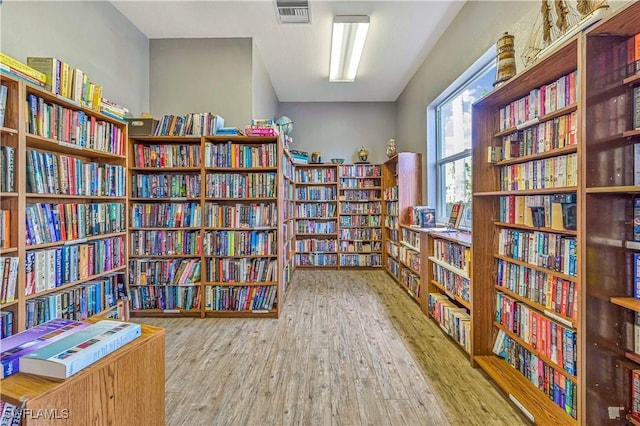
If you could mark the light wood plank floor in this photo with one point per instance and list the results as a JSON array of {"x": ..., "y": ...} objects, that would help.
[{"x": 350, "y": 348}]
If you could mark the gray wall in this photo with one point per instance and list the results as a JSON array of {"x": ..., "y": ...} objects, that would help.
[
  {"x": 92, "y": 36},
  {"x": 202, "y": 75},
  {"x": 265, "y": 100},
  {"x": 338, "y": 130}
]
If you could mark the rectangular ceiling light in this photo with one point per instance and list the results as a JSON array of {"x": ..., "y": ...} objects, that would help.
[{"x": 347, "y": 42}]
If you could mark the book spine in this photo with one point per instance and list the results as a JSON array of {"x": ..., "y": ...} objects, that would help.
[{"x": 23, "y": 68}]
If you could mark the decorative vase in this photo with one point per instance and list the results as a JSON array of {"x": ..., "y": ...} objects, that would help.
[
  {"x": 391, "y": 148},
  {"x": 363, "y": 154},
  {"x": 506, "y": 66}
]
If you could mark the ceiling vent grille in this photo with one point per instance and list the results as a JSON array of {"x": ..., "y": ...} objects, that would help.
[{"x": 293, "y": 11}]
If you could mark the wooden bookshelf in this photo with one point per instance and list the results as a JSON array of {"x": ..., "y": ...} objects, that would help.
[
  {"x": 402, "y": 189},
  {"x": 316, "y": 215},
  {"x": 360, "y": 214},
  {"x": 63, "y": 177}
]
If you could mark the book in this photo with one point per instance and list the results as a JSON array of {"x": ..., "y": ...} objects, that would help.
[
  {"x": 635, "y": 394},
  {"x": 25, "y": 69},
  {"x": 456, "y": 215},
  {"x": 636, "y": 275},
  {"x": 20, "y": 344},
  {"x": 3, "y": 102},
  {"x": 72, "y": 353},
  {"x": 50, "y": 67}
]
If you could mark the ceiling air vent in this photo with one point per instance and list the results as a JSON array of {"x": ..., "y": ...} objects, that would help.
[{"x": 293, "y": 11}]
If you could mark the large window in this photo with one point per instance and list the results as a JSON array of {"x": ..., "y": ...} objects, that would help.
[{"x": 453, "y": 138}]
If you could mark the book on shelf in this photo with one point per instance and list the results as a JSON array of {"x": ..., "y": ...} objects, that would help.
[
  {"x": 422, "y": 216},
  {"x": 18, "y": 345},
  {"x": 72, "y": 353},
  {"x": 8, "y": 278},
  {"x": 51, "y": 68},
  {"x": 20, "y": 68},
  {"x": 4, "y": 90},
  {"x": 636, "y": 333},
  {"x": 636, "y": 275},
  {"x": 635, "y": 394},
  {"x": 636, "y": 219},
  {"x": 456, "y": 215},
  {"x": 636, "y": 108}
]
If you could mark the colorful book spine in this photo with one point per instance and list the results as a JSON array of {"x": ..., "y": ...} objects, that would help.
[
  {"x": 22, "y": 68},
  {"x": 20, "y": 344},
  {"x": 72, "y": 353}
]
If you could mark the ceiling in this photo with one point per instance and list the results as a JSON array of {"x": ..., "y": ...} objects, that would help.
[{"x": 296, "y": 56}]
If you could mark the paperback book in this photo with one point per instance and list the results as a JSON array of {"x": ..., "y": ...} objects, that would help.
[
  {"x": 18, "y": 345},
  {"x": 72, "y": 353}
]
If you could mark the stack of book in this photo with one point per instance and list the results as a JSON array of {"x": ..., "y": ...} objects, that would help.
[
  {"x": 299, "y": 157},
  {"x": 14, "y": 68},
  {"x": 60, "y": 348}
]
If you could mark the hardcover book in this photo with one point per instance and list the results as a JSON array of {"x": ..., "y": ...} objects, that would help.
[
  {"x": 456, "y": 215},
  {"x": 72, "y": 353},
  {"x": 20, "y": 344}
]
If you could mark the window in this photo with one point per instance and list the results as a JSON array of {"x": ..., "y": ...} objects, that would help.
[{"x": 452, "y": 123}]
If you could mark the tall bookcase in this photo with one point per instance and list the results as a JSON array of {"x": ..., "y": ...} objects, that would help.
[
  {"x": 360, "y": 211},
  {"x": 216, "y": 244},
  {"x": 68, "y": 216},
  {"x": 288, "y": 218},
  {"x": 316, "y": 215},
  {"x": 401, "y": 189}
]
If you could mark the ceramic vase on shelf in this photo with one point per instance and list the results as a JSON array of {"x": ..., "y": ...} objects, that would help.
[
  {"x": 363, "y": 154},
  {"x": 391, "y": 148}
]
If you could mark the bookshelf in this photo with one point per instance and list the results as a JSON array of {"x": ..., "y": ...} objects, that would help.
[
  {"x": 360, "y": 214},
  {"x": 316, "y": 213},
  {"x": 288, "y": 218},
  {"x": 67, "y": 212},
  {"x": 206, "y": 234},
  {"x": 448, "y": 284},
  {"x": 410, "y": 258},
  {"x": 401, "y": 189}
]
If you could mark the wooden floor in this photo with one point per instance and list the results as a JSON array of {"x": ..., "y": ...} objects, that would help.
[{"x": 350, "y": 348}]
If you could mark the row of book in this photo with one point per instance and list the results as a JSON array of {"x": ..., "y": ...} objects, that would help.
[
  {"x": 393, "y": 267},
  {"x": 311, "y": 245},
  {"x": 556, "y": 211},
  {"x": 392, "y": 222},
  {"x": 316, "y": 259},
  {"x": 393, "y": 209},
  {"x": 236, "y": 185},
  {"x": 48, "y": 173},
  {"x": 165, "y": 242},
  {"x": 60, "y": 348},
  {"x": 356, "y": 221},
  {"x": 5, "y": 228},
  {"x": 76, "y": 303},
  {"x": 455, "y": 321},
  {"x": 539, "y": 102},
  {"x": 618, "y": 62},
  {"x": 364, "y": 260},
  {"x": 411, "y": 237},
  {"x": 409, "y": 257},
  {"x": 299, "y": 157},
  {"x": 318, "y": 193},
  {"x": 452, "y": 253},
  {"x": 234, "y": 298},
  {"x": 166, "y": 298},
  {"x": 351, "y": 194},
  {"x": 6, "y": 323},
  {"x": 555, "y": 294},
  {"x": 361, "y": 183},
  {"x": 390, "y": 193},
  {"x": 164, "y": 272},
  {"x": 316, "y": 175},
  {"x": 166, "y": 155},
  {"x": 165, "y": 215},
  {"x": 555, "y": 252},
  {"x": 51, "y": 268},
  {"x": 7, "y": 168},
  {"x": 305, "y": 226},
  {"x": 254, "y": 215},
  {"x": 8, "y": 279},
  {"x": 559, "y": 388},
  {"x": 361, "y": 234},
  {"x": 453, "y": 283},
  {"x": 166, "y": 185},
  {"x": 370, "y": 207},
  {"x": 240, "y": 243},
  {"x": 411, "y": 281},
  {"x": 360, "y": 170},
  {"x": 48, "y": 223},
  {"x": 73, "y": 127},
  {"x": 244, "y": 270},
  {"x": 192, "y": 124},
  {"x": 315, "y": 210},
  {"x": 554, "y": 172},
  {"x": 355, "y": 246},
  {"x": 240, "y": 155},
  {"x": 541, "y": 137},
  {"x": 392, "y": 248},
  {"x": 548, "y": 338}
]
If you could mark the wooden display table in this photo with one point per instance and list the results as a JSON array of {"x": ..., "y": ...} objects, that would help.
[{"x": 124, "y": 388}]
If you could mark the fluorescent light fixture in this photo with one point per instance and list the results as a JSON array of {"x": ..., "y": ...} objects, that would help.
[{"x": 347, "y": 43}]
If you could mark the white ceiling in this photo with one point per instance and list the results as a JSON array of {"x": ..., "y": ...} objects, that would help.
[{"x": 296, "y": 56}]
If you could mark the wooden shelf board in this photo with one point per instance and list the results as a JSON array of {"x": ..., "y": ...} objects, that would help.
[
  {"x": 359, "y": 214},
  {"x": 316, "y": 252},
  {"x": 240, "y": 139},
  {"x": 8, "y": 250},
  {"x": 533, "y": 228},
  {"x": 150, "y": 139},
  {"x": 364, "y": 188},
  {"x": 237, "y": 256},
  {"x": 633, "y": 357},
  {"x": 166, "y": 285},
  {"x": 39, "y": 142},
  {"x": 75, "y": 197},
  {"x": 273, "y": 313},
  {"x": 317, "y": 165},
  {"x": 165, "y": 313},
  {"x": 240, "y": 169},
  {"x": 165, "y": 228},
  {"x": 633, "y": 79},
  {"x": 537, "y": 403},
  {"x": 409, "y": 246},
  {"x": 8, "y": 195},
  {"x": 631, "y": 133},
  {"x": 358, "y": 227},
  {"x": 539, "y": 268},
  {"x": 257, "y": 228},
  {"x": 562, "y": 319},
  {"x": 164, "y": 256},
  {"x": 542, "y": 191},
  {"x": 557, "y": 113},
  {"x": 75, "y": 283},
  {"x": 452, "y": 296},
  {"x": 627, "y": 302},
  {"x": 241, "y": 284},
  {"x": 547, "y": 154},
  {"x": 76, "y": 241},
  {"x": 316, "y": 183},
  {"x": 244, "y": 199},
  {"x": 630, "y": 189},
  {"x": 451, "y": 268},
  {"x": 164, "y": 169},
  {"x": 164, "y": 199},
  {"x": 316, "y": 201},
  {"x": 5, "y": 305},
  {"x": 462, "y": 238},
  {"x": 360, "y": 177},
  {"x": 10, "y": 130}
]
